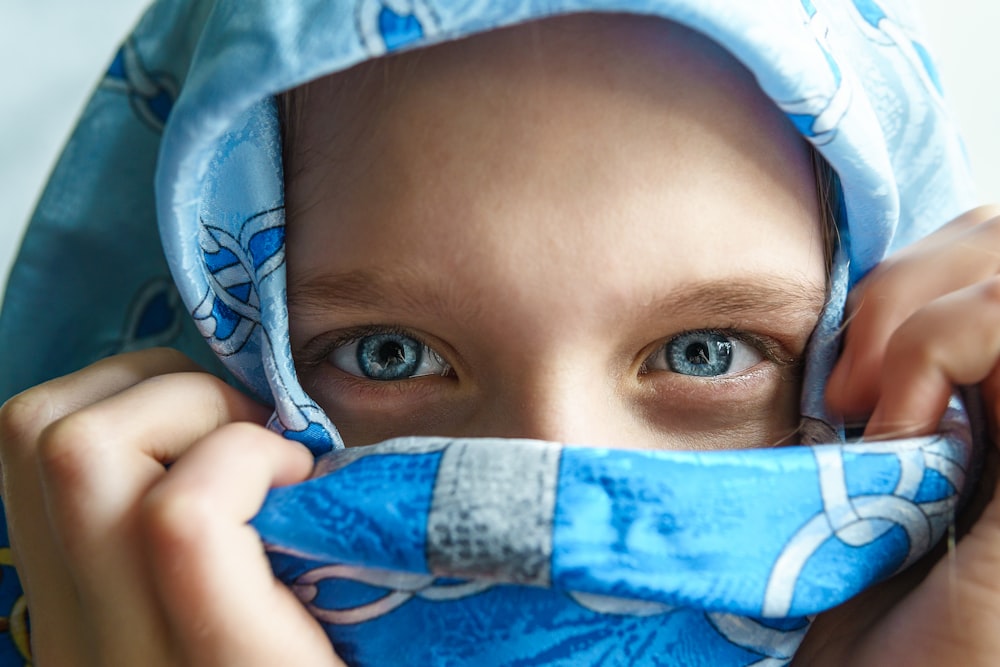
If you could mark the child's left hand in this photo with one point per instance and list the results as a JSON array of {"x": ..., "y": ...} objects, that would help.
[
  {"x": 924, "y": 321},
  {"x": 920, "y": 323}
]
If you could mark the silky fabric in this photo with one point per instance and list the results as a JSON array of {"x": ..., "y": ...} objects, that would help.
[{"x": 163, "y": 224}]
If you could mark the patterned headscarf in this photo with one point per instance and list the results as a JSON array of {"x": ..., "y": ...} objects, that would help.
[{"x": 489, "y": 551}]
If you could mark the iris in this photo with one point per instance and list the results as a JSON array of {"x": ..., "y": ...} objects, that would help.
[
  {"x": 389, "y": 356},
  {"x": 700, "y": 353}
]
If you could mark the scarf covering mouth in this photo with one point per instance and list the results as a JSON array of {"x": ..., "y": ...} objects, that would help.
[{"x": 433, "y": 551}]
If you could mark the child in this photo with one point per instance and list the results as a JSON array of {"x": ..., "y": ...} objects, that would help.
[{"x": 442, "y": 210}]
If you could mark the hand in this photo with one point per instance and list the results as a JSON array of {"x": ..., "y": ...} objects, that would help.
[
  {"x": 126, "y": 563},
  {"x": 921, "y": 323},
  {"x": 918, "y": 325}
]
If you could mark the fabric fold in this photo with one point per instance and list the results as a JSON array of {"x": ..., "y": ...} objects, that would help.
[{"x": 166, "y": 212}]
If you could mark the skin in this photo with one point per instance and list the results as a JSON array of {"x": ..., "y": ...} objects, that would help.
[
  {"x": 127, "y": 562},
  {"x": 911, "y": 340},
  {"x": 548, "y": 219}
]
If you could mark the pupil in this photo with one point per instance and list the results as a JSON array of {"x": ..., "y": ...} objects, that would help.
[
  {"x": 700, "y": 353},
  {"x": 391, "y": 353},
  {"x": 388, "y": 356},
  {"x": 697, "y": 353}
]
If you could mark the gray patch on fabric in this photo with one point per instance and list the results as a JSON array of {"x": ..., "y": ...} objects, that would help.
[
  {"x": 341, "y": 458},
  {"x": 492, "y": 510}
]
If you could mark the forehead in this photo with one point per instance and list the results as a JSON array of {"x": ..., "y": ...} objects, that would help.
[
  {"x": 585, "y": 69},
  {"x": 615, "y": 141}
]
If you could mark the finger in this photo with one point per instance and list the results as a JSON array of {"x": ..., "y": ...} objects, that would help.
[
  {"x": 102, "y": 458},
  {"x": 208, "y": 558},
  {"x": 32, "y": 410},
  {"x": 955, "y": 228},
  {"x": 96, "y": 465},
  {"x": 954, "y": 232},
  {"x": 990, "y": 394},
  {"x": 48, "y": 587},
  {"x": 24, "y": 417},
  {"x": 959, "y": 254},
  {"x": 929, "y": 354}
]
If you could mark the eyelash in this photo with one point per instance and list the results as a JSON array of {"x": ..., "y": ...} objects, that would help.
[
  {"x": 318, "y": 351},
  {"x": 768, "y": 347}
]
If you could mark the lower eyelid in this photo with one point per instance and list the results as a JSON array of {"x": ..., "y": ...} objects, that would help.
[
  {"x": 722, "y": 391},
  {"x": 336, "y": 382}
]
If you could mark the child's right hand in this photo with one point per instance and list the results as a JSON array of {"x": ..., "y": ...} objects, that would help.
[{"x": 125, "y": 562}]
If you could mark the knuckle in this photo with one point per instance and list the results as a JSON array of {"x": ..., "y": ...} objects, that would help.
[
  {"x": 909, "y": 345},
  {"x": 212, "y": 389},
  {"x": 170, "y": 357},
  {"x": 172, "y": 519},
  {"x": 886, "y": 282},
  {"x": 22, "y": 418},
  {"x": 883, "y": 292},
  {"x": 986, "y": 219},
  {"x": 989, "y": 291},
  {"x": 66, "y": 445},
  {"x": 238, "y": 433},
  {"x": 205, "y": 383},
  {"x": 243, "y": 440}
]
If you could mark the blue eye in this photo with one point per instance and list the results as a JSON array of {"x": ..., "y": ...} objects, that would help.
[
  {"x": 387, "y": 357},
  {"x": 705, "y": 354}
]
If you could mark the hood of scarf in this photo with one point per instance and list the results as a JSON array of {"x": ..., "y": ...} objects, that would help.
[{"x": 610, "y": 557}]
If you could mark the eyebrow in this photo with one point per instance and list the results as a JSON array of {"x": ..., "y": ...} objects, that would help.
[
  {"x": 364, "y": 291},
  {"x": 756, "y": 295}
]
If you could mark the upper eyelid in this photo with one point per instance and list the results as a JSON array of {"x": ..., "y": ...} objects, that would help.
[
  {"x": 316, "y": 351},
  {"x": 772, "y": 350},
  {"x": 790, "y": 365}
]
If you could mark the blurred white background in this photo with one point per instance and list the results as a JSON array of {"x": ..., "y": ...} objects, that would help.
[
  {"x": 51, "y": 55},
  {"x": 52, "y": 51}
]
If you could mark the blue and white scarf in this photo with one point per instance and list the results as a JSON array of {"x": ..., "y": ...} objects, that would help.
[{"x": 163, "y": 223}]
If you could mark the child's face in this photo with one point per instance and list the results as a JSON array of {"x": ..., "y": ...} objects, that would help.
[{"x": 593, "y": 229}]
